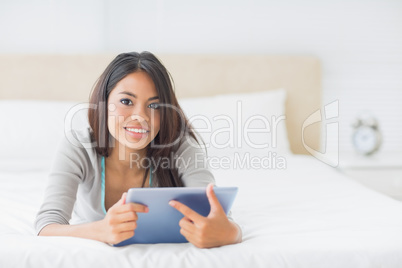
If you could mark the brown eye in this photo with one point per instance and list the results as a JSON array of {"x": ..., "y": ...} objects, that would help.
[{"x": 126, "y": 101}]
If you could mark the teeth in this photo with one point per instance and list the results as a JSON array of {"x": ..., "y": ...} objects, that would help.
[{"x": 137, "y": 130}]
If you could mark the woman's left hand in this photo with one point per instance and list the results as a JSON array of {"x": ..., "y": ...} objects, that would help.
[{"x": 206, "y": 232}]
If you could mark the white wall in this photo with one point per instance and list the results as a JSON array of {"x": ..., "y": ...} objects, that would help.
[{"x": 358, "y": 41}]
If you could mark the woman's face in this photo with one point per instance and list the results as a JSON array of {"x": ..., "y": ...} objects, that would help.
[{"x": 133, "y": 111}]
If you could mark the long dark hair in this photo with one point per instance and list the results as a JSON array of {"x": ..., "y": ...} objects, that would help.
[{"x": 173, "y": 122}]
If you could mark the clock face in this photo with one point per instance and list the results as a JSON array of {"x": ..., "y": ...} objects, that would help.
[{"x": 366, "y": 140}]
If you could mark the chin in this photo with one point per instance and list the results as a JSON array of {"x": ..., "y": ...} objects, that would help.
[{"x": 136, "y": 145}]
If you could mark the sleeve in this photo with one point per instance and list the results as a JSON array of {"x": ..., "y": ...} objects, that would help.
[
  {"x": 65, "y": 175},
  {"x": 192, "y": 164}
]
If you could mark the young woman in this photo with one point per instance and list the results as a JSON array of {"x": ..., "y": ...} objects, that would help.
[{"x": 135, "y": 122}]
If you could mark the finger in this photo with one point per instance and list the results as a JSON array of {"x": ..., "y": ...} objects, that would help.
[
  {"x": 188, "y": 235},
  {"x": 121, "y": 201},
  {"x": 192, "y": 238},
  {"x": 123, "y": 198},
  {"x": 125, "y": 217},
  {"x": 213, "y": 200},
  {"x": 126, "y": 227},
  {"x": 186, "y": 211},
  {"x": 133, "y": 207},
  {"x": 126, "y": 235},
  {"x": 187, "y": 224},
  {"x": 187, "y": 219},
  {"x": 118, "y": 203}
]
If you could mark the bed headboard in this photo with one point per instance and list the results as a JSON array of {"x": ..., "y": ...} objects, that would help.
[{"x": 71, "y": 77}]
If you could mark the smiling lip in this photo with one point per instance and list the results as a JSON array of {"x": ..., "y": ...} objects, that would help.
[
  {"x": 139, "y": 128},
  {"x": 136, "y": 132}
]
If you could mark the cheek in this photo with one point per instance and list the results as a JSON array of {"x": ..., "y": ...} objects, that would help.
[
  {"x": 115, "y": 118},
  {"x": 119, "y": 114},
  {"x": 157, "y": 122},
  {"x": 111, "y": 125}
]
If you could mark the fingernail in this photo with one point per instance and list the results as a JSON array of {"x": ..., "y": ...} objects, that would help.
[
  {"x": 146, "y": 209},
  {"x": 171, "y": 203}
]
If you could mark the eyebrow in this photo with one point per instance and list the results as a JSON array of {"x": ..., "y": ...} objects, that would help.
[{"x": 134, "y": 96}]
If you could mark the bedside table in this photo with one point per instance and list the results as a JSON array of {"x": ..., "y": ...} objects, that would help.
[{"x": 380, "y": 172}]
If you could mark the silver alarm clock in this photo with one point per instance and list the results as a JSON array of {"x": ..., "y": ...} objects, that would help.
[{"x": 366, "y": 137}]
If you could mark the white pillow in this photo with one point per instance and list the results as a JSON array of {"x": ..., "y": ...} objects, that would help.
[
  {"x": 240, "y": 123},
  {"x": 32, "y": 129}
]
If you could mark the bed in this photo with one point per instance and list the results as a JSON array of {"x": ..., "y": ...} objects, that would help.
[{"x": 295, "y": 211}]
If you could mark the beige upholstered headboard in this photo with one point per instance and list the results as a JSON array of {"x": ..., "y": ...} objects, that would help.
[{"x": 71, "y": 77}]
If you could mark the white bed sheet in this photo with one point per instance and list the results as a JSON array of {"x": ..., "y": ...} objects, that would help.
[{"x": 307, "y": 215}]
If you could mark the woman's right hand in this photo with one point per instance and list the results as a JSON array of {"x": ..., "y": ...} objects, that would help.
[{"x": 121, "y": 221}]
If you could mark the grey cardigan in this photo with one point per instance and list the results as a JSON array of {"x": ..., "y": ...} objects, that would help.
[{"x": 74, "y": 191}]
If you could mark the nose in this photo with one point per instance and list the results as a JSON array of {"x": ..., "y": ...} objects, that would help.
[{"x": 140, "y": 113}]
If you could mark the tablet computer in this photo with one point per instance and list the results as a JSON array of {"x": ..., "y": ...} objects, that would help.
[{"x": 161, "y": 223}]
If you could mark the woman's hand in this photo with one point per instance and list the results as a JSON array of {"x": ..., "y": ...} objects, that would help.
[
  {"x": 121, "y": 221},
  {"x": 206, "y": 232}
]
